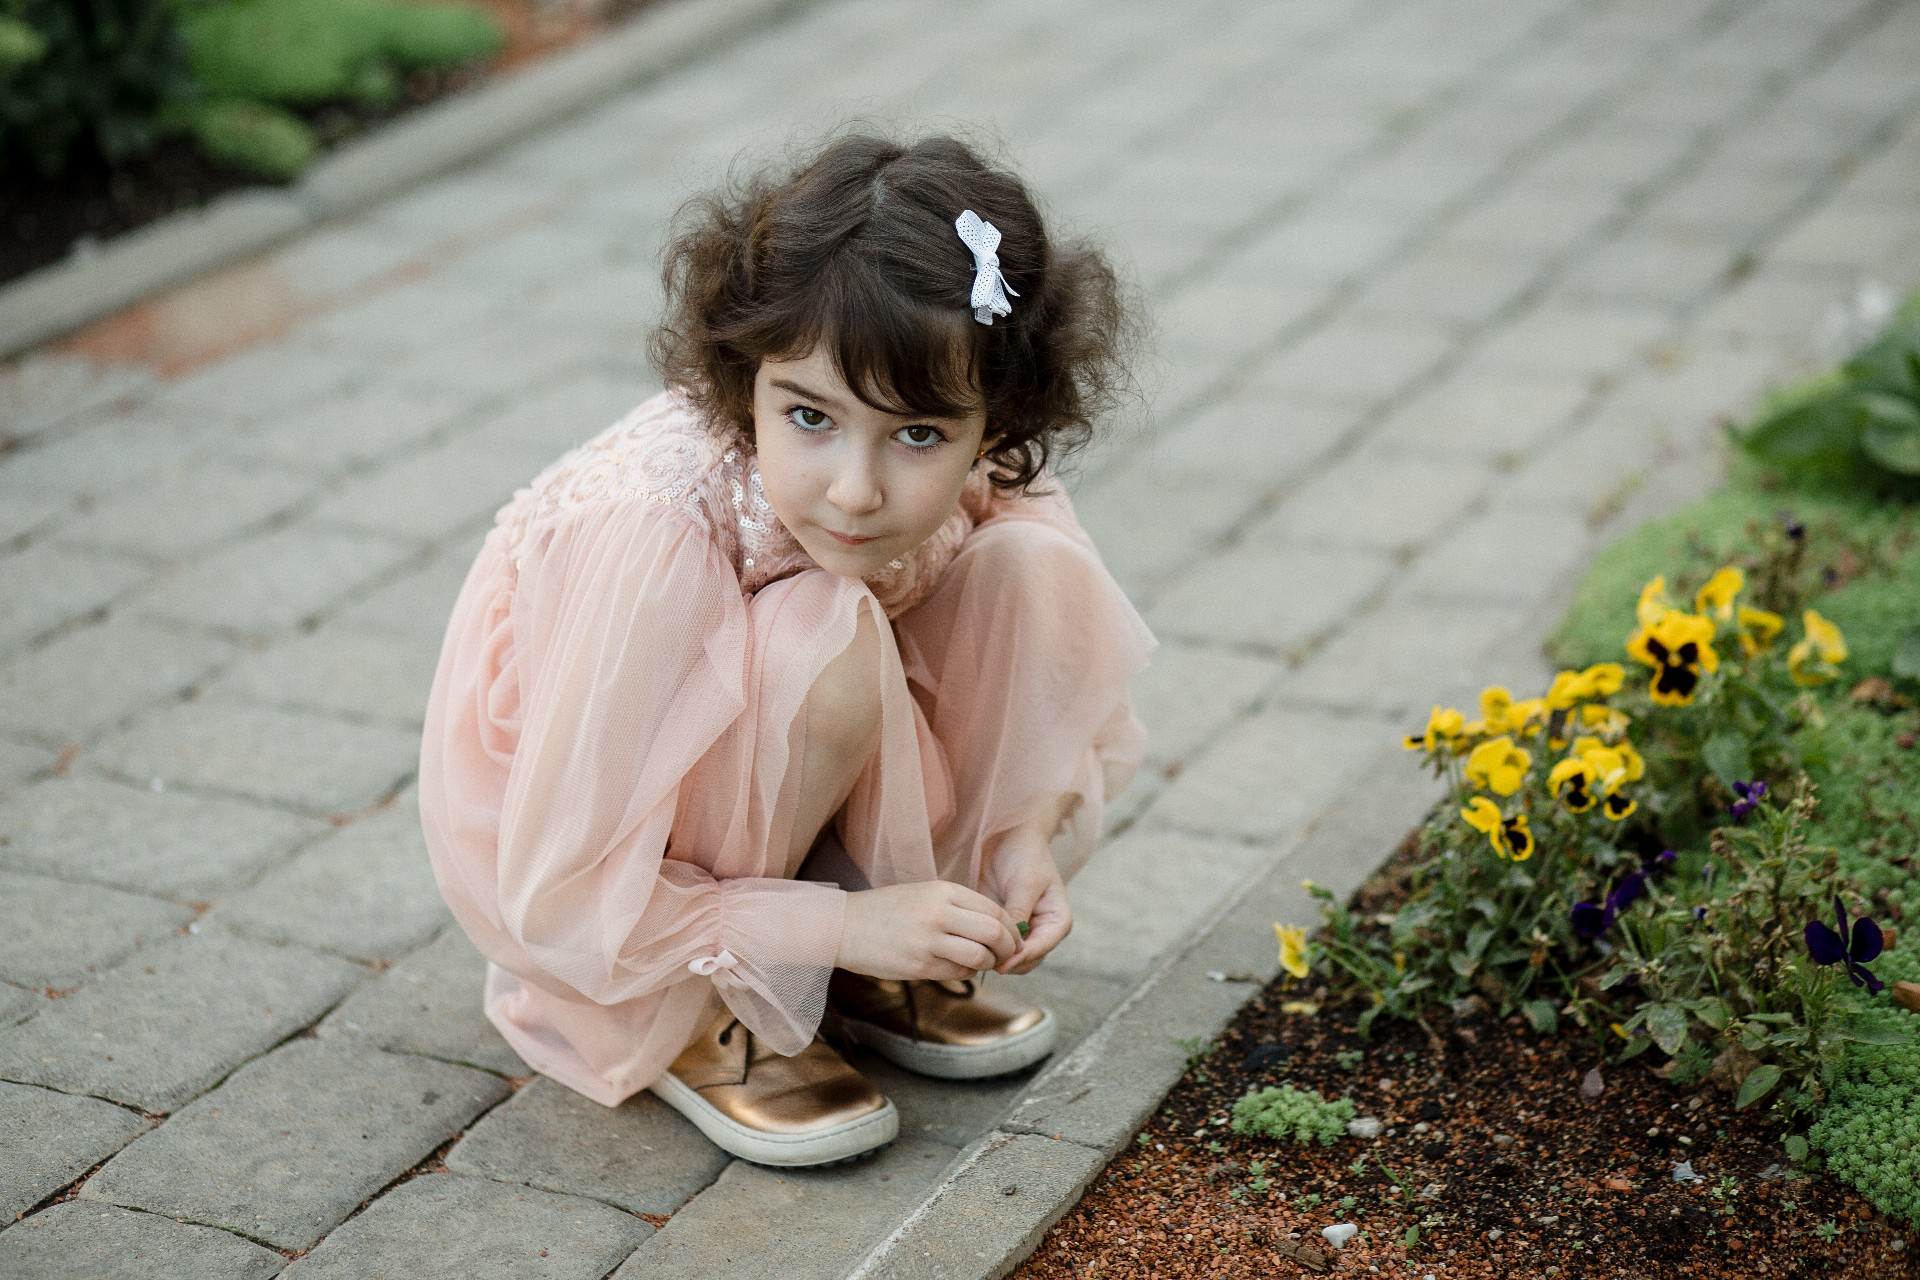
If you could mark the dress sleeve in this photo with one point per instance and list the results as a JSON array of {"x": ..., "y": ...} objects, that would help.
[{"x": 631, "y": 639}]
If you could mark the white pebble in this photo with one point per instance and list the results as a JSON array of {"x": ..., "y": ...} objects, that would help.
[
  {"x": 1339, "y": 1233},
  {"x": 1363, "y": 1127}
]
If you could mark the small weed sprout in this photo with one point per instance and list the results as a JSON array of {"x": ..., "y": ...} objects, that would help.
[
  {"x": 1287, "y": 1112},
  {"x": 1349, "y": 1060}
]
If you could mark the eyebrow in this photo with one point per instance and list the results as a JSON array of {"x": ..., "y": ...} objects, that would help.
[{"x": 809, "y": 393}]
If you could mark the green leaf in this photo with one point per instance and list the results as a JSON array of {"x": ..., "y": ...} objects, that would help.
[
  {"x": 1544, "y": 1017},
  {"x": 1822, "y": 435},
  {"x": 1412, "y": 1237},
  {"x": 1759, "y": 1083},
  {"x": 1862, "y": 1031},
  {"x": 1667, "y": 1024},
  {"x": 1713, "y": 1012},
  {"x": 1726, "y": 754},
  {"x": 1906, "y": 654},
  {"x": 1796, "y": 1146},
  {"x": 1477, "y": 939},
  {"x": 1892, "y": 431}
]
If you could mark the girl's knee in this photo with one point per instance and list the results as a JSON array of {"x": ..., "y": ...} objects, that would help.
[{"x": 843, "y": 707}]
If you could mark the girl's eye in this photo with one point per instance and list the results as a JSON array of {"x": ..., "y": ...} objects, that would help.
[
  {"x": 920, "y": 436},
  {"x": 807, "y": 418}
]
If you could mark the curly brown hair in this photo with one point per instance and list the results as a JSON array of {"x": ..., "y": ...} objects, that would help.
[{"x": 856, "y": 248}]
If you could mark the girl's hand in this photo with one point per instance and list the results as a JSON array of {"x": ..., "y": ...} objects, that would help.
[
  {"x": 1021, "y": 872},
  {"x": 932, "y": 929}
]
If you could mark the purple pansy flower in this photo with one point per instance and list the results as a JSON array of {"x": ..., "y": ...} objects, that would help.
[
  {"x": 1590, "y": 920},
  {"x": 1853, "y": 947},
  {"x": 1749, "y": 795}
]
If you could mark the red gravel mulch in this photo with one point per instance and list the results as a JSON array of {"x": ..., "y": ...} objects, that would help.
[{"x": 1491, "y": 1147}]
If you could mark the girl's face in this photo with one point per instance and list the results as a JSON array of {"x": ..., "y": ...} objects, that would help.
[{"x": 856, "y": 486}]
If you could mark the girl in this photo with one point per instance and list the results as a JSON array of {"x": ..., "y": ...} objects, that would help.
[{"x": 773, "y": 696}]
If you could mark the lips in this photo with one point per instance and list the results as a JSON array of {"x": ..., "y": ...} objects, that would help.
[{"x": 848, "y": 539}]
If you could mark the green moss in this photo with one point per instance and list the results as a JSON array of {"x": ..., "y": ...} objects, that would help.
[
  {"x": 1287, "y": 1112},
  {"x": 1869, "y": 1131}
]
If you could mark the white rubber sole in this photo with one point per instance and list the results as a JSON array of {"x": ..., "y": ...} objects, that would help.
[
  {"x": 957, "y": 1062},
  {"x": 843, "y": 1142}
]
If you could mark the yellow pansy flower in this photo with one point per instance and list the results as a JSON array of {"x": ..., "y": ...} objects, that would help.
[
  {"x": 1653, "y": 604},
  {"x": 1574, "y": 781},
  {"x": 1496, "y": 705},
  {"x": 1293, "y": 948},
  {"x": 1813, "y": 659},
  {"x": 1679, "y": 646},
  {"x": 1603, "y": 679},
  {"x": 1757, "y": 628},
  {"x": 1499, "y": 766},
  {"x": 1618, "y": 805},
  {"x": 1509, "y": 837},
  {"x": 1716, "y": 598},
  {"x": 1604, "y": 721},
  {"x": 1444, "y": 727}
]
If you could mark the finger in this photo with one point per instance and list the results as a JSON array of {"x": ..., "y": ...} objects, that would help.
[
  {"x": 970, "y": 956},
  {"x": 1001, "y": 940},
  {"x": 1052, "y": 922},
  {"x": 961, "y": 896}
]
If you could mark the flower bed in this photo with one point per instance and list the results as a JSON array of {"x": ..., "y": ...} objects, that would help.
[{"x": 1645, "y": 981}]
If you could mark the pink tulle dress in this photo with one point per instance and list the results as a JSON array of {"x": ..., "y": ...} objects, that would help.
[{"x": 618, "y": 702}]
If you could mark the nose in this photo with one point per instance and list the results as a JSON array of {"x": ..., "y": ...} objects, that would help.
[{"x": 856, "y": 489}]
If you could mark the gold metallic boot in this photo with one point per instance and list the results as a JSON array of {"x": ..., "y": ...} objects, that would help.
[
  {"x": 809, "y": 1109},
  {"x": 952, "y": 1030}
]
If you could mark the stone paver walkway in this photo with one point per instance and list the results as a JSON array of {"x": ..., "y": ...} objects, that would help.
[{"x": 1449, "y": 291}]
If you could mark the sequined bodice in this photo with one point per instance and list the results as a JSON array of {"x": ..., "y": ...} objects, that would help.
[{"x": 664, "y": 453}]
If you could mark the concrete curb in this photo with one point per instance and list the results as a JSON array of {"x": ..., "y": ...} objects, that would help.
[
  {"x": 999, "y": 1197},
  {"x": 65, "y": 295}
]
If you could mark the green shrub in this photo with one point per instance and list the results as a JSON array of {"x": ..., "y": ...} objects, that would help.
[
  {"x": 80, "y": 76},
  {"x": 1859, "y": 428},
  {"x": 1287, "y": 1112},
  {"x": 255, "y": 137},
  {"x": 310, "y": 51}
]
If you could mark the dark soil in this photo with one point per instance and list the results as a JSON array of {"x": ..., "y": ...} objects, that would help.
[
  {"x": 1506, "y": 1166},
  {"x": 42, "y": 220}
]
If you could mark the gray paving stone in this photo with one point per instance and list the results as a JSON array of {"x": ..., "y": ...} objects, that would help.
[
  {"x": 18, "y": 762},
  {"x": 430, "y": 1004},
  {"x": 1331, "y": 246},
  {"x": 262, "y": 381},
  {"x": 1593, "y": 339},
  {"x": 159, "y": 1032},
  {"x": 416, "y": 605},
  {"x": 48, "y": 1139},
  {"x": 446, "y": 1227},
  {"x": 1407, "y": 501},
  {"x": 1788, "y": 304},
  {"x": 1277, "y": 599},
  {"x": 1614, "y": 158},
  {"x": 1534, "y": 219},
  {"x": 971, "y": 1229},
  {"x": 101, "y": 1242},
  {"x": 1402, "y": 657},
  {"x": 496, "y": 359},
  {"x": 1848, "y": 234},
  {"x": 187, "y": 507},
  {"x": 403, "y": 320},
  {"x": 17, "y": 1005},
  {"x": 1270, "y": 773},
  {"x": 640, "y": 1156},
  {"x": 554, "y": 419},
  {"x": 350, "y": 673},
  {"x": 315, "y": 762},
  {"x": 366, "y": 891},
  {"x": 54, "y": 933},
  {"x": 1460, "y": 284},
  {"x": 23, "y": 511},
  {"x": 828, "y": 1218},
  {"x": 1653, "y": 264},
  {"x": 95, "y": 677},
  {"x": 1144, "y": 891},
  {"x": 190, "y": 847},
  {"x": 435, "y": 493},
  {"x": 1364, "y": 361},
  {"x": 1503, "y": 556},
  {"x": 353, "y": 429},
  {"x": 1191, "y": 691},
  {"x": 290, "y": 1145},
  {"x": 44, "y": 389},
  {"x": 1724, "y": 204},
  {"x": 1483, "y": 416},
  {"x": 272, "y": 583},
  {"x": 47, "y": 585},
  {"x": 106, "y": 450}
]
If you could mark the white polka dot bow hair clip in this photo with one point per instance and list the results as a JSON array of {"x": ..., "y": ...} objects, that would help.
[{"x": 990, "y": 288}]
